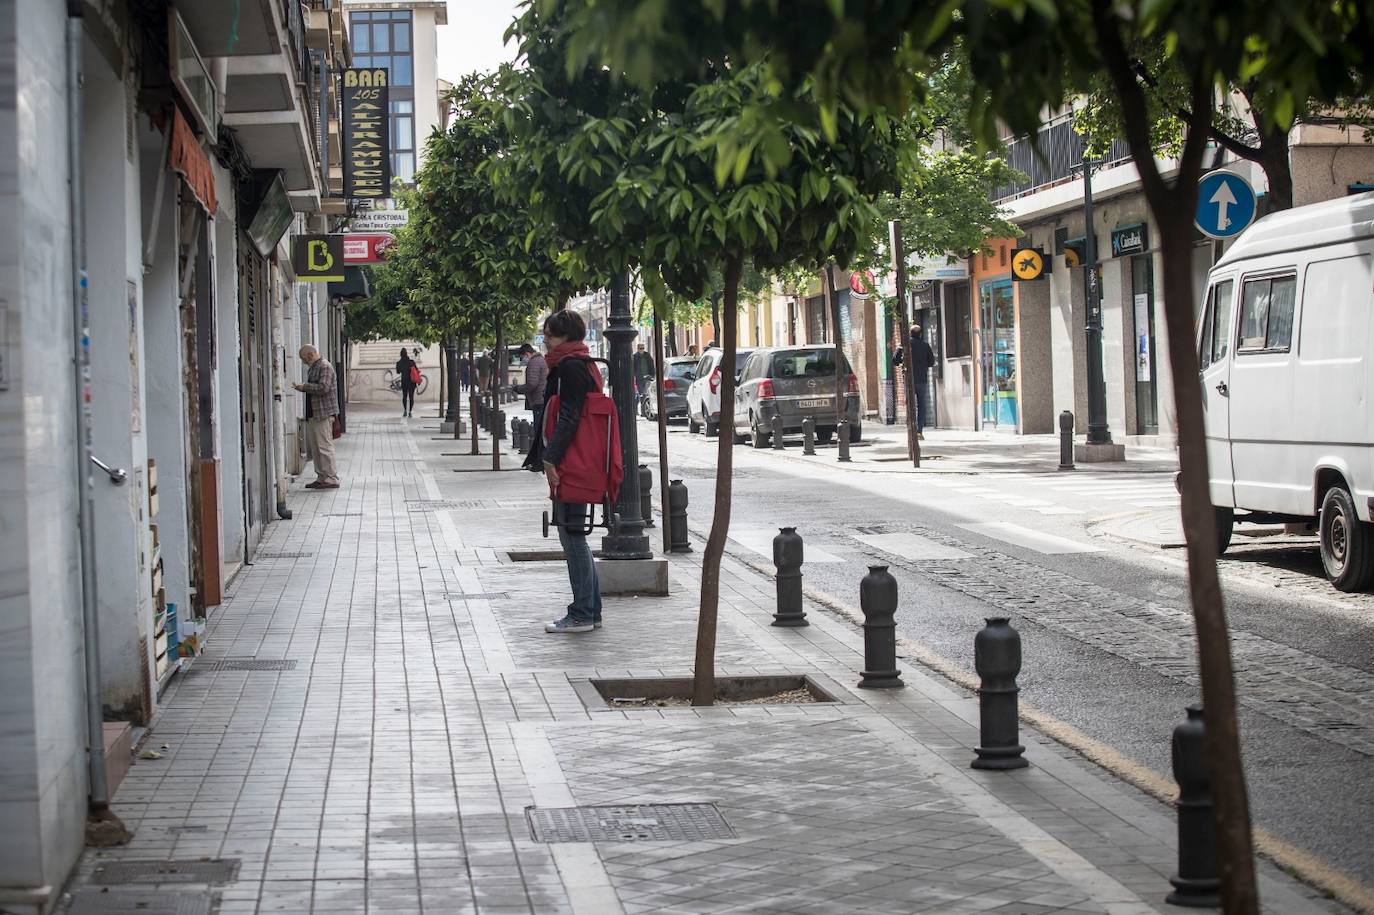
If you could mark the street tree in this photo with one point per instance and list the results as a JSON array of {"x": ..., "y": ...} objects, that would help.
[
  {"x": 627, "y": 176},
  {"x": 1290, "y": 53}
]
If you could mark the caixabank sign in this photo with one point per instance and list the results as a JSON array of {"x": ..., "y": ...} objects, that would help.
[{"x": 366, "y": 139}]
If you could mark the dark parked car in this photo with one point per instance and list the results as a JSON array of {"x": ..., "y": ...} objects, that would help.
[
  {"x": 678, "y": 373},
  {"x": 793, "y": 382}
]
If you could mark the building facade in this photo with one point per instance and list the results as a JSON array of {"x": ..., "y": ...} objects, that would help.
[{"x": 161, "y": 160}]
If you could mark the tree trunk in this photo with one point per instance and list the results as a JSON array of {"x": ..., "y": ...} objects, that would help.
[
  {"x": 672, "y": 338},
  {"x": 662, "y": 432},
  {"x": 704, "y": 679},
  {"x": 832, "y": 307},
  {"x": 1199, "y": 524},
  {"x": 716, "y": 334},
  {"x": 442, "y": 378},
  {"x": 561, "y": 302},
  {"x": 898, "y": 251},
  {"x": 498, "y": 381},
  {"x": 472, "y": 391},
  {"x": 1278, "y": 168}
]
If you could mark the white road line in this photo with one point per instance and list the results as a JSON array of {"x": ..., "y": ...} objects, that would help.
[
  {"x": 760, "y": 540},
  {"x": 1031, "y": 539},
  {"x": 1058, "y": 510},
  {"x": 911, "y": 546}
]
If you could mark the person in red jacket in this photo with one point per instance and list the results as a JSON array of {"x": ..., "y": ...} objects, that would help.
[{"x": 570, "y": 378}]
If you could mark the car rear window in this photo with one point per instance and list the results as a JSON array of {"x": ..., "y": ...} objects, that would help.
[
  {"x": 680, "y": 369},
  {"x": 799, "y": 363}
]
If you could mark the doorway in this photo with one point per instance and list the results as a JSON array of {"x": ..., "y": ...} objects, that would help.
[
  {"x": 1146, "y": 386},
  {"x": 997, "y": 348}
]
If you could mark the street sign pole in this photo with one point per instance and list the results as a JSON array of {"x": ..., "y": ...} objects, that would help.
[
  {"x": 629, "y": 541},
  {"x": 1098, "y": 431}
]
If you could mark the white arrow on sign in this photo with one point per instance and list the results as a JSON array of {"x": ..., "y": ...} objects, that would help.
[{"x": 1223, "y": 198}]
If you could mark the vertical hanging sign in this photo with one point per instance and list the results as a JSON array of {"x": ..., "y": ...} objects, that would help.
[{"x": 366, "y": 134}]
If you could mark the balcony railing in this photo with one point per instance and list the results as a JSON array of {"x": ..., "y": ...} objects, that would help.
[{"x": 1053, "y": 156}]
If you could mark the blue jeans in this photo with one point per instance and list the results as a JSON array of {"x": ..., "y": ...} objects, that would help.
[
  {"x": 922, "y": 403},
  {"x": 586, "y": 589}
]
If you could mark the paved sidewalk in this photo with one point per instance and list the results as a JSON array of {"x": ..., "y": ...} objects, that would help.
[
  {"x": 956, "y": 451},
  {"x": 391, "y": 768}
]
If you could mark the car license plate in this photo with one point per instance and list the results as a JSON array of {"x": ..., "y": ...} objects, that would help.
[{"x": 812, "y": 404}]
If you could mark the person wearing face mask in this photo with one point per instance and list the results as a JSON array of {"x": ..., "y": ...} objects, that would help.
[{"x": 570, "y": 376}]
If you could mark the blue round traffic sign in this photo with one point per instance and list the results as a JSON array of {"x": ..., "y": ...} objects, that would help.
[{"x": 1225, "y": 205}]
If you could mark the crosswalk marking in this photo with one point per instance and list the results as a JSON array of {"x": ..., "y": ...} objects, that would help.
[
  {"x": 760, "y": 540},
  {"x": 911, "y": 546},
  {"x": 1031, "y": 539}
]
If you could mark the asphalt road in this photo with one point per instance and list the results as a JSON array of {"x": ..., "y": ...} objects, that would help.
[{"x": 1106, "y": 631}]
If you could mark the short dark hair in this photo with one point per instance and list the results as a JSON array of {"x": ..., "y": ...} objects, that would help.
[
  {"x": 525, "y": 348},
  {"x": 567, "y": 324}
]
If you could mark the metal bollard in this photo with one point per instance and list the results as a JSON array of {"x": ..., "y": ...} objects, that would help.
[
  {"x": 677, "y": 518},
  {"x": 778, "y": 444},
  {"x": 646, "y": 491},
  {"x": 843, "y": 433},
  {"x": 878, "y": 600},
  {"x": 809, "y": 435},
  {"x": 787, "y": 558},
  {"x": 1066, "y": 440},
  {"x": 1198, "y": 882},
  {"x": 997, "y": 658},
  {"x": 526, "y": 436},
  {"x": 498, "y": 428}
]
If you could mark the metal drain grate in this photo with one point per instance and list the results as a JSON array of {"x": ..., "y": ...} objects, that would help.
[
  {"x": 248, "y": 664},
  {"x": 189, "y": 827},
  {"x": 145, "y": 902},
  {"x": 122, "y": 873},
  {"x": 343, "y": 514},
  {"x": 495, "y": 595},
  {"x": 633, "y": 823},
  {"x": 268, "y": 554},
  {"x": 434, "y": 505}
]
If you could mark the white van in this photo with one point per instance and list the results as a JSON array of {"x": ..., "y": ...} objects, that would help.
[{"x": 1286, "y": 342}]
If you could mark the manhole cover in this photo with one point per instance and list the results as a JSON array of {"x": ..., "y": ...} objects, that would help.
[
  {"x": 117, "y": 873},
  {"x": 146, "y": 902},
  {"x": 633, "y": 823},
  {"x": 268, "y": 554},
  {"x": 248, "y": 664}
]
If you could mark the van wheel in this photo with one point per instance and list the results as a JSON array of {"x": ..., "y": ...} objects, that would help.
[
  {"x": 712, "y": 428},
  {"x": 823, "y": 436},
  {"x": 759, "y": 437},
  {"x": 1226, "y": 523},
  {"x": 693, "y": 427},
  {"x": 1347, "y": 546}
]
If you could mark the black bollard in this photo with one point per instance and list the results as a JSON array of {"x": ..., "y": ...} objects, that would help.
[
  {"x": 878, "y": 600},
  {"x": 787, "y": 558},
  {"x": 646, "y": 491},
  {"x": 809, "y": 435},
  {"x": 997, "y": 658},
  {"x": 1066, "y": 440},
  {"x": 778, "y": 444},
  {"x": 843, "y": 433},
  {"x": 677, "y": 518},
  {"x": 1198, "y": 882},
  {"x": 526, "y": 436},
  {"x": 498, "y": 428}
]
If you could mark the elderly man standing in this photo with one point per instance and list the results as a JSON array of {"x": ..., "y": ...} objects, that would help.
[{"x": 321, "y": 408}]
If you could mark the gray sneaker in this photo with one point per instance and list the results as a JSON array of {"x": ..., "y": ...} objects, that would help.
[{"x": 570, "y": 623}]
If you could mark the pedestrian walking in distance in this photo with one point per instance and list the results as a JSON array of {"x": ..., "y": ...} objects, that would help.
[
  {"x": 483, "y": 370},
  {"x": 643, "y": 365},
  {"x": 920, "y": 358},
  {"x": 321, "y": 412},
  {"x": 570, "y": 377},
  {"x": 409, "y": 373},
  {"x": 465, "y": 373},
  {"x": 536, "y": 378}
]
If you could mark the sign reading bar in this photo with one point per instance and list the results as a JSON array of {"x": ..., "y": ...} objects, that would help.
[
  {"x": 1129, "y": 240},
  {"x": 318, "y": 258},
  {"x": 1028, "y": 264},
  {"x": 366, "y": 138}
]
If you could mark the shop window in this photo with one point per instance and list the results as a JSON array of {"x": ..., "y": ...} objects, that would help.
[{"x": 958, "y": 321}]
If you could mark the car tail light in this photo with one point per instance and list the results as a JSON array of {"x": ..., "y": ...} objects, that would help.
[
  {"x": 669, "y": 384},
  {"x": 853, "y": 383},
  {"x": 766, "y": 388},
  {"x": 714, "y": 380}
]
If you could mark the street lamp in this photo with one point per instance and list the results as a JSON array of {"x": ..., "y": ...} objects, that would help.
[
  {"x": 1098, "y": 431},
  {"x": 629, "y": 541}
]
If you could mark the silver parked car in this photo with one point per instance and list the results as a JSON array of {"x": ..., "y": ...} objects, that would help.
[
  {"x": 678, "y": 373},
  {"x": 793, "y": 382}
]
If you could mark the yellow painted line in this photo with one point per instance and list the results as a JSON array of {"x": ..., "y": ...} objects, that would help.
[{"x": 1303, "y": 865}]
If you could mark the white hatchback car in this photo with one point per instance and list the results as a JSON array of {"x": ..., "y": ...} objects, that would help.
[{"x": 703, "y": 397}]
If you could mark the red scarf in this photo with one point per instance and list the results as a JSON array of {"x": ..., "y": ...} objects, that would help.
[{"x": 576, "y": 349}]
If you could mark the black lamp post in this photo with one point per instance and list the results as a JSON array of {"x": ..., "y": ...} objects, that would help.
[
  {"x": 1098, "y": 432},
  {"x": 451, "y": 378},
  {"x": 630, "y": 541}
]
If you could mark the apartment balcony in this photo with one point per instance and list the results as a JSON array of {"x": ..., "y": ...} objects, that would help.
[{"x": 1053, "y": 156}]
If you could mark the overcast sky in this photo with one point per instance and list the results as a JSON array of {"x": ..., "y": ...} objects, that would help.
[{"x": 472, "y": 39}]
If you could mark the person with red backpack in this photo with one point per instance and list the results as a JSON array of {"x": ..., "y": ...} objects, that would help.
[
  {"x": 573, "y": 376},
  {"x": 408, "y": 370}
]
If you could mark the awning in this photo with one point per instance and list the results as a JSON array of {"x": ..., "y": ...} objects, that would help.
[{"x": 186, "y": 157}]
